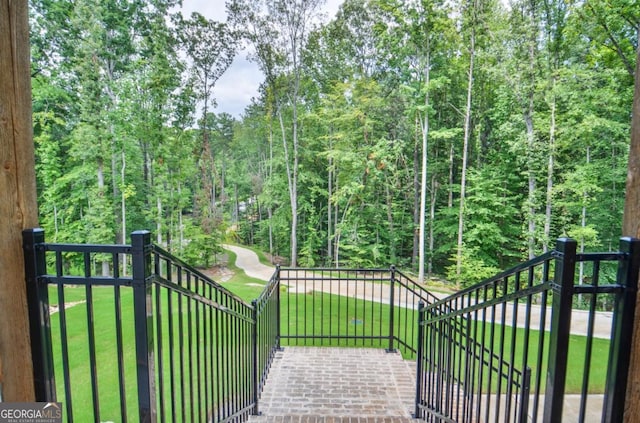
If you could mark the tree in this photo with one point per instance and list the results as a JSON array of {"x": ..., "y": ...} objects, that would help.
[
  {"x": 102, "y": 56},
  {"x": 328, "y": 160},
  {"x": 428, "y": 27},
  {"x": 211, "y": 46},
  {"x": 279, "y": 52},
  {"x": 555, "y": 23},
  {"x": 473, "y": 22}
]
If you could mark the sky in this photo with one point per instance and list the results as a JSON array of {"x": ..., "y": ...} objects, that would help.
[{"x": 239, "y": 84}]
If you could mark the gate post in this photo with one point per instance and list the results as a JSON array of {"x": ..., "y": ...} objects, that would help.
[
  {"x": 563, "y": 282},
  {"x": 255, "y": 359},
  {"x": 39, "y": 319},
  {"x": 419, "y": 362},
  {"x": 392, "y": 301},
  {"x": 622, "y": 326},
  {"x": 278, "y": 305},
  {"x": 143, "y": 324}
]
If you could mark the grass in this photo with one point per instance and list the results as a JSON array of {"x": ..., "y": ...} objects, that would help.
[
  {"x": 244, "y": 286},
  {"x": 105, "y": 350},
  {"x": 332, "y": 316},
  {"x": 493, "y": 344},
  {"x": 194, "y": 346},
  {"x": 325, "y": 314}
]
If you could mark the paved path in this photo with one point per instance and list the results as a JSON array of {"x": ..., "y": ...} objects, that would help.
[
  {"x": 322, "y": 385},
  {"x": 248, "y": 261}
]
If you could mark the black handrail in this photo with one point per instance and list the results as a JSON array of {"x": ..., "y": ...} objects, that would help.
[
  {"x": 196, "y": 342},
  {"x": 475, "y": 319}
]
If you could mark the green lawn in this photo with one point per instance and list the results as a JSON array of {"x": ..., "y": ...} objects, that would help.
[
  {"x": 373, "y": 320},
  {"x": 106, "y": 356},
  {"x": 189, "y": 354}
]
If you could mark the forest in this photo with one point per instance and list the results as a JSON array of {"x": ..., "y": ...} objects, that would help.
[{"x": 452, "y": 138}]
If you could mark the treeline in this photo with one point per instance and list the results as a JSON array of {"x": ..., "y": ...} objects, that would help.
[{"x": 453, "y": 138}]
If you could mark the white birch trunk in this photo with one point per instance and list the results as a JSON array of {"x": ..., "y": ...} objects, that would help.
[
  {"x": 465, "y": 147},
  {"x": 423, "y": 174}
]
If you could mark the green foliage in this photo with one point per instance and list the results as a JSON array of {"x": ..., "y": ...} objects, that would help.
[
  {"x": 474, "y": 269},
  {"x": 201, "y": 247},
  {"x": 332, "y": 144}
]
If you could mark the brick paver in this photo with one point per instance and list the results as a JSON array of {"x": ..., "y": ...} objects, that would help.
[{"x": 338, "y": 385}]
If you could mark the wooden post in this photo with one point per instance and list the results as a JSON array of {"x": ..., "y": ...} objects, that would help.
[
  {"x": 18, "y": 207},
  {"x": 631, "y": 228}
]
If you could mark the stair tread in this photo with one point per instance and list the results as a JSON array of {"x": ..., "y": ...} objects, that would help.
[{"x": 296, "y": 418}]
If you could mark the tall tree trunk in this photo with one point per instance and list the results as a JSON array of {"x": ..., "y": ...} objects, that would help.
[
  {"x": 531, "y": 197},
  {"x": 117, "y": 212},
  {"x": 270, "y": 208},
  {"x": 339, "y": 230},
  {"x": 270, "y": 216},
  {"x": 123, "y": 212},
  {"x": 432, "y": 215},
  {"x": 392, "y": 238},
  {"x": 423, "y": 174},
  {"x": 158, "y": 219},
  {"x": 631, "y": 227},
  {"x": 293, "y": 190},
  {"x": 120, "y": 232},
  {"x": 416, "y": 197},
  {"x": 146, "y": 172},
  {"x": 207, "y": 165},
  {"x": 223, "y": 171},
  {"x": 101, "y": 189},
  {"x": 292, "y": 181},
  {"x": 236, "y": 207},
  {"x": 55, "y": 222},
  {"x": 583, "y": 225},
  {"x": 528, "y": 120},
  {"x": 450, "y": 196},
  {"x": 550, "y": 166},
  {"x": 465, "y": 148},
  {"x": 18, "y": 208}
]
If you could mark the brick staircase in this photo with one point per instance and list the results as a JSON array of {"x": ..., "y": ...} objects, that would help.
[{"x": 338, "y": 385}]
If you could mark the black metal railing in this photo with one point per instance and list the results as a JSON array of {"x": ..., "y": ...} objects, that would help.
[
  {"x": 130, "y": 332},
  {"x": 499, "y": 350},
  {"x": 205, "y": 352},
  {"x": 350, "y": 307},
  {"x": 267, "y": 332}
]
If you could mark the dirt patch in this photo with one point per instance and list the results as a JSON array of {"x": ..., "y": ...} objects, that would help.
[
  {"x": 53, "y": 309},
  {"x": 219, "y": 273}
]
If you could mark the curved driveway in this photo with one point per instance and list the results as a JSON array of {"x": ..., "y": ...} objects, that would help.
[{"x": 248, "y": 261}]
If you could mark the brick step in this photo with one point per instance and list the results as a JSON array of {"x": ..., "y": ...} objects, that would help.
[
  {"x": 332, "y": 419},
  {"x": 338, "y": 385}
]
